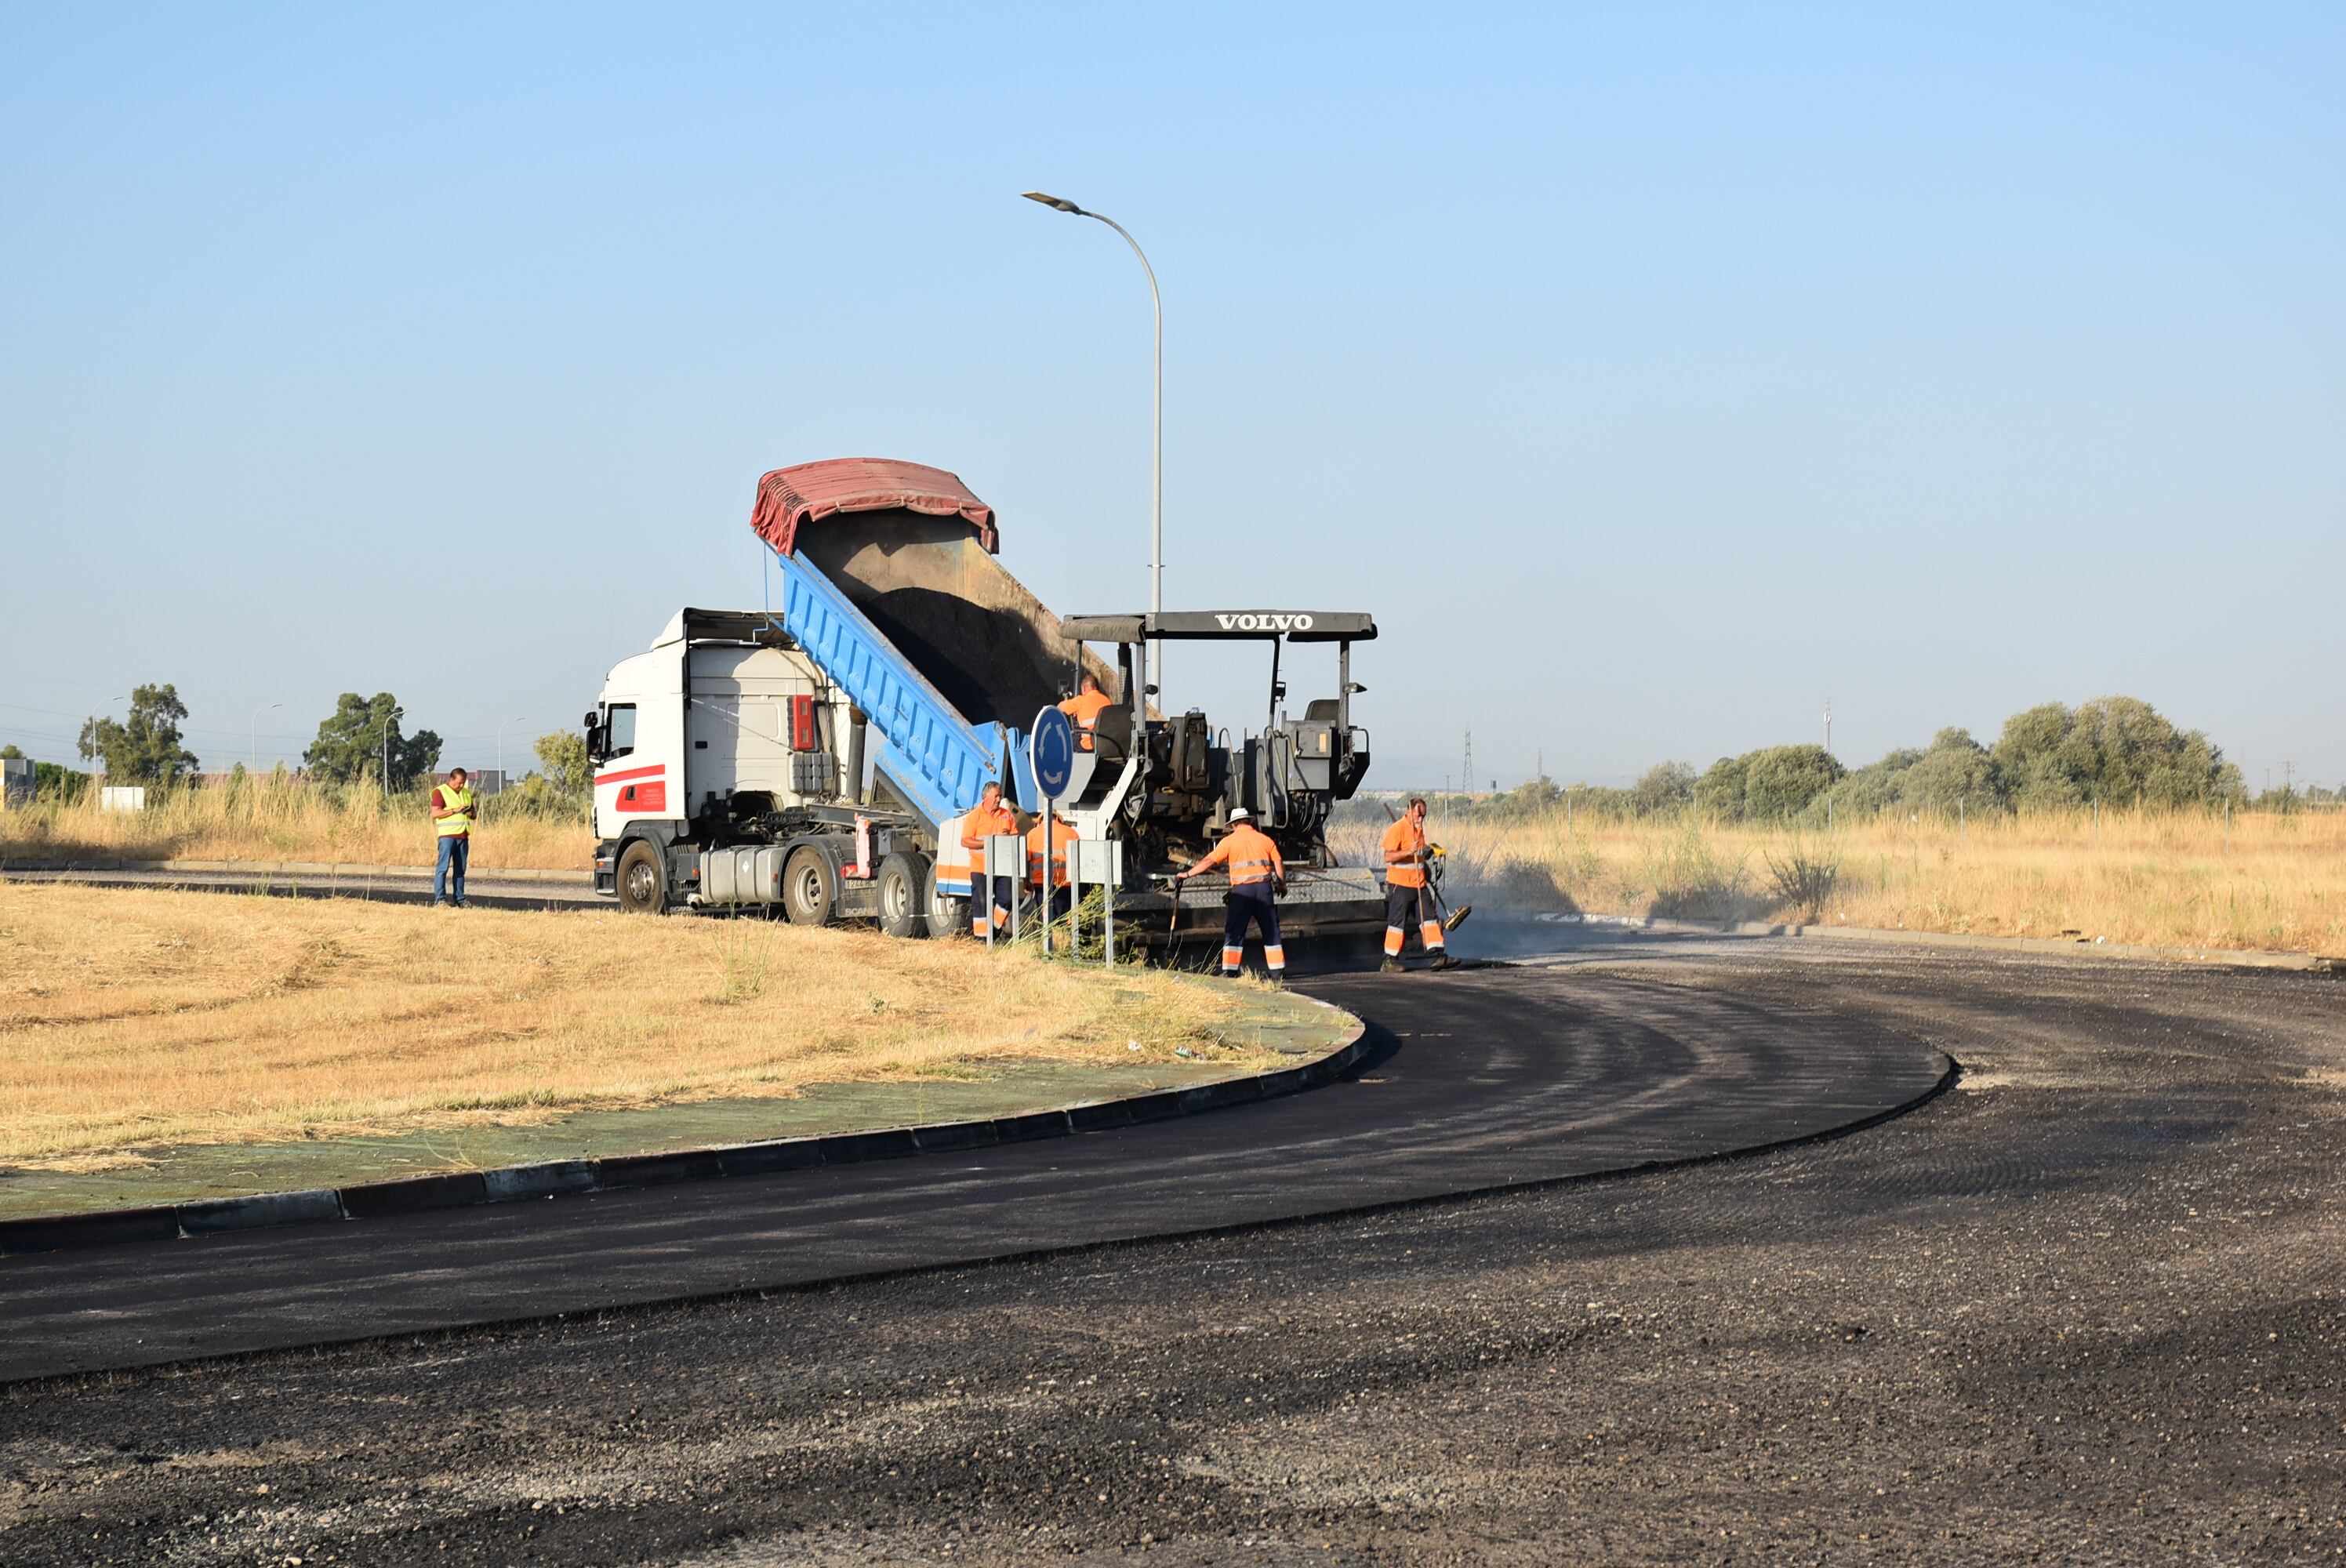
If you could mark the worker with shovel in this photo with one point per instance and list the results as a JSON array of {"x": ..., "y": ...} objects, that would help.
[
  {"x": 1407, "y": 890},
  {"x": 1257, "y": 876}
]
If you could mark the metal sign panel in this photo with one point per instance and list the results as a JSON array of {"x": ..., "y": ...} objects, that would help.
[
  {"x": 1096, "y": 861},
  {"x": 1061, "y": 770}
]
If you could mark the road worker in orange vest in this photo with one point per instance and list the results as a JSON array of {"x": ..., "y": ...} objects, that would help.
[
  {"x": 989, "y": 818},
  {"x": 1407, "y": 896},
  {"x": 1063, "y": 837},
  {"x": 1083, "y": 710},
  {"x": 1257, "y": 876}
]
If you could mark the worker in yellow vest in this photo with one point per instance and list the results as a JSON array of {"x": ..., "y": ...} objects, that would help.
[{"x": 452, "y": 817}]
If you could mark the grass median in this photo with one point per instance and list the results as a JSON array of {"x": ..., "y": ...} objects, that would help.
[{"x": 138, "y": 1027}]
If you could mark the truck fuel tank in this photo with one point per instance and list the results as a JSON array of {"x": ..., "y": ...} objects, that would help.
[{"x": 745, "y": 874}]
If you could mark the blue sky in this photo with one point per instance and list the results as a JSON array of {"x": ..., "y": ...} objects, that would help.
[{"x": 1652, "y": 373}]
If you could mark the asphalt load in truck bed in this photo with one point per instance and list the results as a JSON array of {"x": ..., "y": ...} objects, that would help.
[{"x": 2084, "y": 1307}]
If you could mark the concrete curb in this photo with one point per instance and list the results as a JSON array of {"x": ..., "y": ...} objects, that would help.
[
  {"x": 463, "y": 1189},
  {"x": 2068, "y": 947}
]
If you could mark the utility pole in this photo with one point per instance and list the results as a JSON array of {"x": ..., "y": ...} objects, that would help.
[
  {"x": 1828, "y": 726},
  {"x": 1466, "y": 775}
]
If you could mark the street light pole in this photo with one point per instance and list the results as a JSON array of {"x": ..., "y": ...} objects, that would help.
[
  {"x": 97, "y": 758},
  {"x": 1154, "y": 656},
  {"x": 254, "y": 765}
]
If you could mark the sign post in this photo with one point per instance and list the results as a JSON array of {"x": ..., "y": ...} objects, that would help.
[
  {"x": 1005, "y": 856},
  {"x": 1061, "y": 771},
  {"x": 1098, "y": 861}
]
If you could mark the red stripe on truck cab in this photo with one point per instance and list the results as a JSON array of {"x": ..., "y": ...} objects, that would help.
[{"x": 654, "y": 772}]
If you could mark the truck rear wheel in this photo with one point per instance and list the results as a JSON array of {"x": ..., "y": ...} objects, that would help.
[
  {"x": 641, "y": 879},
  {"x": 810, "y": 887},
  {"x": 904, "y": 879},
  {"x": 941, "y": 914}
]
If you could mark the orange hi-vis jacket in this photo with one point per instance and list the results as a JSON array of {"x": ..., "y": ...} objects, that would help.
[
  {"x": 1085, "y": 708},
  {"x": 1250, "y": 854},
  {"x": 1063, "y": 833},
  {"x": 1404, "y": 847},
  {"x": 981, "y": 825}
]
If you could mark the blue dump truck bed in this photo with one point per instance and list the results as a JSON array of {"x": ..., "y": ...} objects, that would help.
[
  {"x": 932, "y": 755},
  {"x": 889, "y": 585}
]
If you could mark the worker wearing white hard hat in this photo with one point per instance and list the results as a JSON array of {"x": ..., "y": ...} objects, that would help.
[{"x": 1257, "y": 875}]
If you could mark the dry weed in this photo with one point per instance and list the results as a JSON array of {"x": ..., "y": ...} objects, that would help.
[
  {"x": 263, "y": 822},
  {"x": 137, "y": 1018},
  {"x": 2173, "y": 879}
]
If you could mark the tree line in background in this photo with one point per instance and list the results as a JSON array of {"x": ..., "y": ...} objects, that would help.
[
  {"x": 2116, "y": 751},
  {"x": 359, "y": 746}
]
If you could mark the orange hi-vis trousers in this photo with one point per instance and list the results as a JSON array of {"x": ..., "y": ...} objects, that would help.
[
  {"x": 1253, "y": 903},
  {"x": 1005, "y": 890},
  {"x": 1401, "y": 903}
]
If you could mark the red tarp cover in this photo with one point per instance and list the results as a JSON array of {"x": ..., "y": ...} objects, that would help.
[{"x": 789, "y": 497}]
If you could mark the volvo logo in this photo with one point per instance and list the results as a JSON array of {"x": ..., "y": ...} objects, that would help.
[{"x": 1253, "y": 622}]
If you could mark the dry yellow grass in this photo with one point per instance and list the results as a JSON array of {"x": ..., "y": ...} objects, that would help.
[
  {"x": 132, "y": 1018},
  {"x": 2274, "y": 881},
  {"x": 265, "y": 822}
]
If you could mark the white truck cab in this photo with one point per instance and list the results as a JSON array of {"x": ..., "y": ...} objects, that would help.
[{"x": 727, "y": 773}]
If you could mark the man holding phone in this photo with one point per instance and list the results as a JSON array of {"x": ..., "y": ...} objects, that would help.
[{"x": 452, "y": 817}]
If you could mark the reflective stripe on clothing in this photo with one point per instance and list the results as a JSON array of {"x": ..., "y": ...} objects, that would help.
[
  {"x": 456, "y": 798},
  {"x": 1248, "y": 854},
  {"x": 1404, "y": 850},
  {"x": 1063, "y": 833},
  {"x": 1252, "y": 905},
  {"x": 1405, "y": 907}
]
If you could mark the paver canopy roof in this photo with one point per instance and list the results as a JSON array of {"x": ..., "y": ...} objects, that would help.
[{"x": 807, "y": 491}]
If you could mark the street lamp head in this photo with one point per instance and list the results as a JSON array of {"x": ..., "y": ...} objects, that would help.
[{"x": 1059, "y": 202}]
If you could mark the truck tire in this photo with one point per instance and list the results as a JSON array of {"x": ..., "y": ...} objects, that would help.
[
  {"x": 810, "y": 887},
  {"x": 941, "y": 914},
  {"x": 641, "y": 879},
  {"x": 903, "y": 880}
]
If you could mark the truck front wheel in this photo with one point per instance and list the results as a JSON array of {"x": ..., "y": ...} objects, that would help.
[
  {"x": 810, "y": 887},
  {"x": 641, "y": 879},
  {"x": 902, "y": 887}
]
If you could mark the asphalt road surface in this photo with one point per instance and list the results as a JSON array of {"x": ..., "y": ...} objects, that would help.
[{"x": 2086, "y": 1308}]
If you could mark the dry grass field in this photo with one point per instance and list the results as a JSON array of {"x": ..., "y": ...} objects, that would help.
[
  {"x": 2273, "y": 882},
  {"x": 132, "y": 1018},
  {"x": 265, "y": 822}
]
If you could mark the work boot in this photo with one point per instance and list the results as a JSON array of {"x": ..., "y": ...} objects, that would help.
[
  {"x": 1390, "y": 966},
  {"x": 1443, "y": 961}
]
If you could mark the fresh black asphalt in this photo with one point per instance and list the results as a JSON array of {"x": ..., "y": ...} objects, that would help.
[
  {"x": 2087, "y": 1309},
  {"x": 1482, "y": 1078}
]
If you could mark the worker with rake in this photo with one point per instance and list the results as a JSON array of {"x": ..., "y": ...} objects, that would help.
[
  {"x": 1407, "y": 891},
  {"x": 1257, "y": 876}
]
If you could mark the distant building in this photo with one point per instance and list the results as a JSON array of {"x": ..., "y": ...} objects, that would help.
[
  {"x": 15, "y": 783},
  {"x": 485, "y": 780}
]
